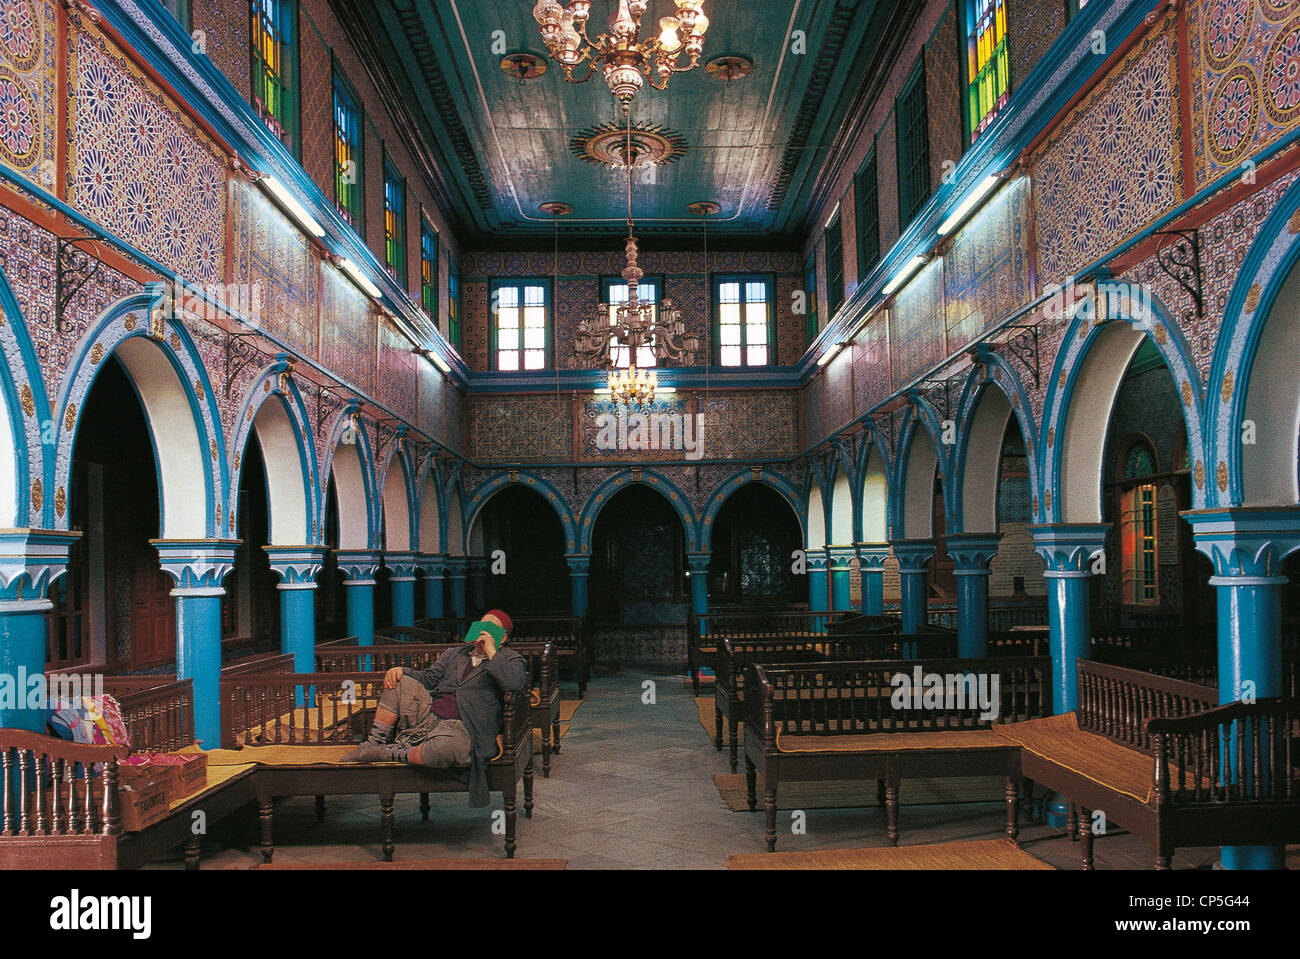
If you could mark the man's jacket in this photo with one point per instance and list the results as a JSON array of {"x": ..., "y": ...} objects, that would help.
[{"x": 479, "y": 698}]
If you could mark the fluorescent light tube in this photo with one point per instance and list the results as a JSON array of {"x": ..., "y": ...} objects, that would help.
[
  {"x": 290, "y": 203},
  {"x": 834, "y": 213},
  {"x": 830, "y": 354},
  {"x": 439, "y": 362},
  {"x": 363, "y": 281},
  {"x": 910, "y": 267},
  {"x": 967, "y": 206}
]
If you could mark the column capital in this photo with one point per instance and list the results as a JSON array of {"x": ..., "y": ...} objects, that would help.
[
  {"x": 457, "y": 566},
  {"x": 972, "y": 552},
  {"x": 698, "y": 562},
  {"x": 297, "y": 566},
  {"x": 1068, "y": 548},
  {"x": 912, "y": 554},
  {"x": 30, "y": 561},
  {"x": 359, "y": 566},
  {"x": 818, "y": 561},
  {"x": 579, "y": 563},
  {"x": 433, "y": 564},
  {"x": 839, "y": 557},
  {"x": 198, "y": 566},
  {"x": 1245, "y": 542},
  {"x": 402, "y": 566},
  {"x": 872, "y": 556}
]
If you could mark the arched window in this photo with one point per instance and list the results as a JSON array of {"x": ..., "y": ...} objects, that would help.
[{"x": 1139, "y": 582}]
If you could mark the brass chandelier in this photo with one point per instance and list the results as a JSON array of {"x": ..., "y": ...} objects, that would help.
[
  {"x": 626, "y": 57},
  {"x": 633, "y": 324}
]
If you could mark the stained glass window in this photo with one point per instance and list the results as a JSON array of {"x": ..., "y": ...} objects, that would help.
[
  {"x": 743, "y": 332},
  {"x": 429, "y": 270},
  {"x": 347, "y": 154},
  {"x": 988, "y": 71},
  {"x": 453, "y": 304},
  {"x": 834, "y": 268},
  {"x": 810, "y": 293},
  {"x": 1138, "y": 530},
  {"x": 275, "y": 67},
  {"x": 395, "y": 223}
]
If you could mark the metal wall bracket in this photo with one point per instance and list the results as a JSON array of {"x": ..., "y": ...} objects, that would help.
[
  {"x": 239, "y": 352},
  {"x": 73, "y": 269},
  {"x": 1023, "y": 346},
  {"x": 1181, "y": 262}
]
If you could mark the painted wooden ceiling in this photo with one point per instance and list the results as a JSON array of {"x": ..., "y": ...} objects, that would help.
[{"x": 753, "y": 145}]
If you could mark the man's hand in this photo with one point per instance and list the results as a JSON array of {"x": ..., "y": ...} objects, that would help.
[
  {"x": 391, "y": 677},
  {"x": 486, "y": 645}
]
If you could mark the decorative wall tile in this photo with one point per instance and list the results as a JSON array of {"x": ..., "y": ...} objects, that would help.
[
  {"x": 397, "y": 373},
  {"x": 1245, "y": 70},
  {"x": 917, "y": 336},
  {"x": 986, "y": 268},
  {"x": 1113, "y": 166},
  {"x": 749, "y": 425},
  {"x": 140, "y": 167},
  {"x": 944, "y": 97},
  {"x": 871, "y": 363},
  {"x": 1032, "y": 26},
  {"x": 225, "y": 39},
  {"x": 347, "y": 329},
  {"x": 28, "y": 100}
]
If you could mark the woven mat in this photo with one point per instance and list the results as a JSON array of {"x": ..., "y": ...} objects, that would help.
[
  {"x": 217, "y": 775},
  {"x": 568, "y": 707},
  {"x": 1059, "y": 740},
  {"x": 841, "y": 794},
  {"x": 976, "y": 854},
  {"x": 705, "y": 706},
  {"x": 423, "y": 865}
]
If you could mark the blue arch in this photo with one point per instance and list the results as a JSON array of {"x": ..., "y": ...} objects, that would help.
[
  {"x": 361, "y": 440},
  {"x": 1003, "y": 377},
  {"x": 31, "y": 460},
  {"x": 920, "y": 416},
  {"x": 495, "y": 484},
  {"x": 1150, "y": 315},
  {"x": 1268, "y": 264},
  {"x": 291, "y": 399},
  {"x": 619, "y": 481},
  {"x": 400, "y": 456},
  {"x": 723, "y": 491},
  {"x": 101, "y": 340}
]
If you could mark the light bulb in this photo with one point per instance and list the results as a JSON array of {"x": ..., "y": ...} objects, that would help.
[
  {"x": 668, "y": 38},
  {"x": 701, "y": 24},
  {"x": 547, "y": 10}
]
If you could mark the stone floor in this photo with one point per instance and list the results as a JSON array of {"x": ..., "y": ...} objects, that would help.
[{"x": 632, "y": 789}]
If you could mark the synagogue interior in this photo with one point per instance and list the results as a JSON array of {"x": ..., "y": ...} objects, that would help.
[{"x": 650, "y": 434}]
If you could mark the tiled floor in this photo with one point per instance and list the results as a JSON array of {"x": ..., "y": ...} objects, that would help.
[{"x": 632, "y": 789}]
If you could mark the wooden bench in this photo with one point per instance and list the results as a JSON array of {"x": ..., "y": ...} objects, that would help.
[
  {"x": 54, "y": 819},
  {"x": 570, "y": 635},
  {"x": 737, "y": 654},
  {"x": 1160, "y": 758},
  {"x": 335, "y": 709},
  {"x": 544, "y": 696},
  {"x": 837, "y": 721}
]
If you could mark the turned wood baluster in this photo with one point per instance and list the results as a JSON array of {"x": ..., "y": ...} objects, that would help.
[
  {"x": 24, "y": 788},
  {"x": 7, "y": 797},
  {"x": 56, "y": 802},
  {"x": 42, "y": 799},
  {"x": 1257, "y": 727},
  {"x": 1162, "y": 770},
  {"x": 1284, "y": 763},
  {"x": 112, "y": 812}
]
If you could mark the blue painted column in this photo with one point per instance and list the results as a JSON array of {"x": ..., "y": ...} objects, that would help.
[
  {"x": 839, "y": 560},
  {"x": 1068, "y": 552},
  {"x": 819, "y": 584},
  {"x": 402, "y": 566},
  {"x": 457, "y": 569},
  {"x": 913, "y": 555},
  {"x": 871, "y": 556},
  {"x": 297, "y": 567},
  {"x": 433, "y": 567},
  {"x": 972, "y": 553},
  {"x": 30, "y": 561},
  {"x": 198, "y": 568},
  {"x": 1246, "y": 546},
  {"x": 579, "y": 570},
  {"x": 359, "y": 567},
  {"x": 697, "y": 565}
]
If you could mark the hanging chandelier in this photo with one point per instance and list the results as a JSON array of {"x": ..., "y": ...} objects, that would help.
[
  {"x": 633, "y": 325},
  {"x": 625, "y": 56}
]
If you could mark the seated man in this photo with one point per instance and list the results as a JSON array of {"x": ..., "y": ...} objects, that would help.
[{"x": 450, "y": 714}]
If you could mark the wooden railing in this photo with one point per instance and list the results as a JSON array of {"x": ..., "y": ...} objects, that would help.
[
  {"x": 48, "y": 787},
  {"x": 1118, "y": 703},
  {"x": 740, "y": 653},
  {"x": 159, "y": 717},
  {"x": 849, "y": 698},
  {"x": 353, "y": 659},
  {"x": 1241, "y": 752}
]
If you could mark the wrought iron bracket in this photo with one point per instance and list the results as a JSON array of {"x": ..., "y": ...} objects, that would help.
[
  {"x": 1181, "y": 262},
  {"x": 239, "y": 353},
  {"x": 327, "y": 402},
  {"x": 1023, "y": 347},
  {"x": 73, "y": 269}
]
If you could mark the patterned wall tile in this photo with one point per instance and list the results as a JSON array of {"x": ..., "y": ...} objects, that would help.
[
  {"x": 1032, "y": 26},
  {"x": 749, "y": 425},
  {"x": 917, "y": 336},
  {"x": 138, "y": 166},
  {"x": 348, "y": 333},
  {"x": 225, "y": 40},
  {"x": 1245, "y": 70},
  {"x": 520, "y": 428},
  {"x": 943, "y": 89},
  {"x": 397, "y": 374},
  {"x": 1113, "y": 166},
  {"x": 28, "y": 100},
  {"x": 871, "y": 363}
]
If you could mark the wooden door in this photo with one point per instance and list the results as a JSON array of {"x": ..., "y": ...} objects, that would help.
[{"x": 153, "y": 617}]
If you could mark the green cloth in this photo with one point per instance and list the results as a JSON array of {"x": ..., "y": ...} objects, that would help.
[{"x": 497, "y": 633}]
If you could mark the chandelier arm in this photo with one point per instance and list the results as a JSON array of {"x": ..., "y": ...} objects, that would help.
[
  {"x": 694, "y": 62},
  {"x": 591, "y": 68}
]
